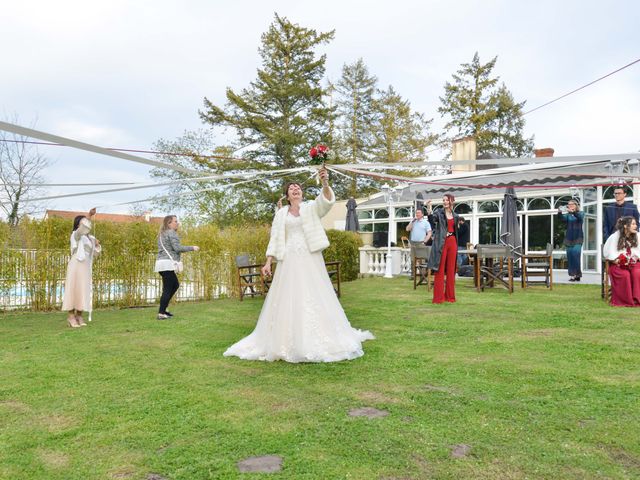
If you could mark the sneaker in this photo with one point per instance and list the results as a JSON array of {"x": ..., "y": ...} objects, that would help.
[
  {"x": 168, "y": 313},
  {"x": 163, "y": 316},
  {"x": 572, "y": 279}
]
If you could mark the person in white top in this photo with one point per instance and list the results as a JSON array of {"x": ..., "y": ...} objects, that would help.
[
  {"x": 78, "y": 291},
  {"x": 623, "y": 251},
  {"x": 301, "y": 318}
]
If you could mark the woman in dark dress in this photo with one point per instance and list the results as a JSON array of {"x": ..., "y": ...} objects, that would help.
[{"x": 573, "y": 238}]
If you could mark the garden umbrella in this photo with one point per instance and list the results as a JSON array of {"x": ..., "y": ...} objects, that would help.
[
  {"x": 352, "y": 223},
  {"x": 419, "y": 201},
  {"x": 510, "y": 229}
]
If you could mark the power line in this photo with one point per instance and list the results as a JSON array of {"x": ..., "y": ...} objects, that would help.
[{"x": 580, "y": 88}]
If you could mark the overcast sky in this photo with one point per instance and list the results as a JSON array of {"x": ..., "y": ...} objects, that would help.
[{"x": 124, "y": 74}]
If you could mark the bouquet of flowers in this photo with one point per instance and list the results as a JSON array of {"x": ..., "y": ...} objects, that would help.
[
  {"x": 627, "y": 259},
  {"x": 319, "y": 154}
]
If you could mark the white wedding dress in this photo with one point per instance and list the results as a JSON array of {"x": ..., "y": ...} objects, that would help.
[{"x": 301, "y": 319}]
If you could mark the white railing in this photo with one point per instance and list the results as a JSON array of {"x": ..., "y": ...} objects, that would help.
[{"x": 373, "y": 261}]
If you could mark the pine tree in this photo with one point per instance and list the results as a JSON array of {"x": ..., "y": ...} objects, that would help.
[
  {"x": 355, "y": 108},
  {"x": 476, "y": 107},
  {"x": 282, "y": 113},
  {"x": 507, "y": 126},
  {"x": 276, "y": 119},
  {"x": 400, "y": 134}
]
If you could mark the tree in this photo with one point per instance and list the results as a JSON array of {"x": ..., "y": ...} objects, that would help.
[
  {"x": 282, "y": 113},
  {"x": 20, "y": 174},
  {"x": 476, "y": 107},
  {"x": 355, "y": 108},
  {"x": 507, "y": 126},
  {"x": 400, "y": 135},
  {"x": 209, "y": 200}
]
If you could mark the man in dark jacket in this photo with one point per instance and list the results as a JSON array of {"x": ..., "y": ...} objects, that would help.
[
  {"x": 464, "y": 238},
  {"x": 614, "y": 211}
]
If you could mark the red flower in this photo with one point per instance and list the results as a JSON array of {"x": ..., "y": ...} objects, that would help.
[
  {"x": 623, "y": 260},
  {"x": 319, "y": 153}
]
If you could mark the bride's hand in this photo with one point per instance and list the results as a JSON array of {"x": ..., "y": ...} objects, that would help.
[{"x": 266, "y": 270}]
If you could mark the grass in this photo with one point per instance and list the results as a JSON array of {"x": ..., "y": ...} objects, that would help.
[{"x": 540, "y": 384}]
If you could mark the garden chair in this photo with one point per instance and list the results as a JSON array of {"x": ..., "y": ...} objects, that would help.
[
  {"x": 537, "y": 268},
  {"x": 250, "y": 281},
  {"x": 493, "y": 264},
  {"x": 420, "y": 266}
]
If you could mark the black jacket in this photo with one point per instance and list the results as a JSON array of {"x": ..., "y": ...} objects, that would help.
[{"x": 438, "y": 220}]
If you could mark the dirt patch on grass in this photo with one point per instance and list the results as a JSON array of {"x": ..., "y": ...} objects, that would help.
[
  {"x": 123, "y": 473},
  {"x": 623, "y": 458},
  {"x": 14, "y": 406},
  {"x": 442, "y": 389},
  {"x": 629, "y": 378},
  {"x": 57, "y": 423},
  {"x": 376, "y": 397},
  {"x": 54, "y": 459},
  {"x": 545, "y": 332}
]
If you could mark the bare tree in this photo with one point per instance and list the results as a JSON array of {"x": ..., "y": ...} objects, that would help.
[{"x": 20, "y": 174}]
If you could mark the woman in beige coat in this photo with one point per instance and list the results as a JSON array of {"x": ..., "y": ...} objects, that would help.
[{"x": 78, "y": 284}]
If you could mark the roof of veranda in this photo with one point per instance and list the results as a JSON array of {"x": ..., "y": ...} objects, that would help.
[{"x": 579, "y": 171}]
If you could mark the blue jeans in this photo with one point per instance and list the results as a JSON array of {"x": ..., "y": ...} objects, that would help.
[
  {"x": 463, "y": 258},
  {"x": 573, "y": 258}
]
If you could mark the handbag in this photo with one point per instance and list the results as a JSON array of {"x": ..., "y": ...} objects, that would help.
[{"x": 178, "y": 266}]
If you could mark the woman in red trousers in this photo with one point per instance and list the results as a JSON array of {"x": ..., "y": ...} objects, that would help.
[{"x": 444, "y": 250}]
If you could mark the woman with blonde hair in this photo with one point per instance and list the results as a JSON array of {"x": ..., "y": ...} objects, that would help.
[
  {"x": 168, "y": 262},
  {"x": 573, "y": 238},
  {"x": 78, "y": 290}
]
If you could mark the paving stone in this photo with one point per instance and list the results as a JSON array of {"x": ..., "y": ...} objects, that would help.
[
  {"x": 368, "y": 412},
  {"x": 460, "y": 451},
  {"x": 264, "y": 464},
  {"x": 156, "y": 476}
]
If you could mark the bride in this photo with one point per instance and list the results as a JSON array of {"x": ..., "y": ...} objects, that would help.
[{"x": 301, "y": 319}]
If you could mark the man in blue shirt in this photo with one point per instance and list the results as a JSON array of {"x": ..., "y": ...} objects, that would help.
[
  {"x": 614, "y": 211},
  {"x": 419, "y": 229},
  {"x": 419, "y": 233}
]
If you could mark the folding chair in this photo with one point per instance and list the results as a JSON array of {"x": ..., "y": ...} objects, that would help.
[
  {"x": 250, "y": 281},
  {"x": 494, "y": 263},
  {"x": 333, "y": 269},
  {"x": 420, "y": 266},
  {"x": 538, "y": 266},
  {"x": 606, "y": 287}
]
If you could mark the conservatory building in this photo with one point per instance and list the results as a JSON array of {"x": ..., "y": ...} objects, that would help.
[{"x": 541, "y": 188}]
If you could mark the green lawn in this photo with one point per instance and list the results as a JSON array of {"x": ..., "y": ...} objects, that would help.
[{"x": 540, "y": 384}]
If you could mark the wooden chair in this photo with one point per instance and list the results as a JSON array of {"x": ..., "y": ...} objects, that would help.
[
  {"x": 404, "y": 241},
  {"x": 606, "y": 286},
  {"x": 250, "y": 281},
  {"x": 494, "y": 263},
  {"x": 420, "y": 266},
  {"x": 539, "y": 266},
  {"x": 333, "y": 270}
]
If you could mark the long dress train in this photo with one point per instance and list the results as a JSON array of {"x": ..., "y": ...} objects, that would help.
[{"x": 301, "y": 319}]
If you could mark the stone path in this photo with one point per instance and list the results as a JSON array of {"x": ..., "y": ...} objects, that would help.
[{"x": 264, "y": 464}]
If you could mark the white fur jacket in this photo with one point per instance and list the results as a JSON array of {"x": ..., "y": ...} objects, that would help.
[
  {"x": 311, "y": 213},
  {"x": 610, "y": 250}
]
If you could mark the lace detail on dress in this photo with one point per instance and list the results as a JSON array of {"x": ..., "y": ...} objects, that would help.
[{"x": 295, "y": 243}]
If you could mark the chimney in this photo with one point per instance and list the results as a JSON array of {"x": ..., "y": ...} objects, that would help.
[
  {"x": 543, "y": 152},
  {"x": 463, "y": 149}
]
